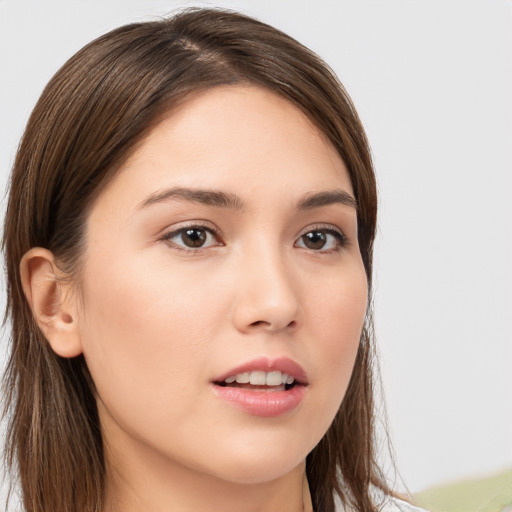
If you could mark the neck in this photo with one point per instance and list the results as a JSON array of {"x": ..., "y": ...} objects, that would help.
[{"x": 140, "y": 480}]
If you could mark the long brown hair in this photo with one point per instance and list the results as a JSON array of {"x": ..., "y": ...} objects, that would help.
[{"x": 90, "y": 118}]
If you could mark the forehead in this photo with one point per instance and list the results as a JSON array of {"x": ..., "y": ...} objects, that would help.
[{"x": 243, "y": 139}]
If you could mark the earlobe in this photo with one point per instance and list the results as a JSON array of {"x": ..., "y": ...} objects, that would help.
[{"x": 52, "y": 301}]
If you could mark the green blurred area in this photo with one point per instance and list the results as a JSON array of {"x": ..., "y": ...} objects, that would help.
[{"x": 490, "y": 494}]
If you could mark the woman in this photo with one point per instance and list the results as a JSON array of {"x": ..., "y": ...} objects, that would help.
[{"x": 189, "y": 252}]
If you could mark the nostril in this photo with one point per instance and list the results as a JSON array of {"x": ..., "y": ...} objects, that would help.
[{"x": 270, "y": 326}]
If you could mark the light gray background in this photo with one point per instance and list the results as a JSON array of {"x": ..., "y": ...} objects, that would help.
[{"x": 432, "y": 82}]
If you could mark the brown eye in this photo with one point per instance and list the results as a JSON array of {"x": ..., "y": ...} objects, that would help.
[
  {"x": 193, "y": 237},
  {"x": 315, "y": 240},
  {"x": 324, "y": 240}
]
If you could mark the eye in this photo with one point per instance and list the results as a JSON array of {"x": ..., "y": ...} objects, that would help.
[
  {"x": 322, "y": 239},
  {"x": 192, "y": 237}
]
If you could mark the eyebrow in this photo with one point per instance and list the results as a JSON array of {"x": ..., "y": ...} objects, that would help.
[
  {"x": 319, "y": 199},
  {"x": 231, "y": 201},
  {"x": 208, "y": 197}
]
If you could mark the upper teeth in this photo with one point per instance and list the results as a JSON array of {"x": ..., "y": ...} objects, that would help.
[{"x": 259, "y": 378}]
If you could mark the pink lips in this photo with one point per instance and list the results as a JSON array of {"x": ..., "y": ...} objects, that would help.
[
  {"x": 264, "y": 403},
  {"x": 264, "y": 364}
]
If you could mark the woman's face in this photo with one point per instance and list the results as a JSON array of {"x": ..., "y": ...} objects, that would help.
[{"x": 226, "y": 248}]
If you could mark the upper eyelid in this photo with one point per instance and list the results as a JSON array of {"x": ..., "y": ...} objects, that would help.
[
  {"x": 344, "y": 242},
  {"x": 322, "y": 227},
  {"x": 215, "y": 231},
  {"x": 172, "y": 230},
  {"x": 167, "y": 236}
]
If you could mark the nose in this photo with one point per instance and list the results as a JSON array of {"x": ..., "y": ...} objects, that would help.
[{"x": 267, "y": 297}]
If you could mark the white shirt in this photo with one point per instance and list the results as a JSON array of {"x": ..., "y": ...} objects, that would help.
[
  {"x": 397, "y": 505},
  {"x": 389, "y": 504}
]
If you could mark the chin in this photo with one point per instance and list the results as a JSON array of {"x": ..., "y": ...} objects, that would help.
[
  {"x": 259, "y": 462},
  {"x": 258, "y": 472}
]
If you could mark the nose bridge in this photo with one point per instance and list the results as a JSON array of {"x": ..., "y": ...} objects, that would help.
[{"x": 267, "y": 293}]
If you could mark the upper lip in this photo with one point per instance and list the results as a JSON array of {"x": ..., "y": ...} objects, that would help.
[{"x": 266, "y": 364}]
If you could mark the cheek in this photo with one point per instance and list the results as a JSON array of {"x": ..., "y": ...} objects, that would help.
[
  {"x": 345, "y": 323},
  {"x": 337, "y": 315},
  {"x": 338, "y": 311},
  {"x": 145, "y": 332}
]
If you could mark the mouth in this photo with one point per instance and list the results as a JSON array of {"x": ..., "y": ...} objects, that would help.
[
  {"x": 265, "y": 374},
  {"x": 260, "y": 381},
  {"x": 263, "y": 387}
]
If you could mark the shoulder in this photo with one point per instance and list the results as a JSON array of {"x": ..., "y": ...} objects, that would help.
[
  {"x": 386, "y": 503},
  {"x": 392, "y": 504}
]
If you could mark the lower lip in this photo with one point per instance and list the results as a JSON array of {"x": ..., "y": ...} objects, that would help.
[{"x": 267, "y": 404}]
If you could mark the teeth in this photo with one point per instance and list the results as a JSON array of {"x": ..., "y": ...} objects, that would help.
[
  {"x": 273, "y": 379},
  {"x": 242, "y": 378},
  {"x": 260, "y": 378}
]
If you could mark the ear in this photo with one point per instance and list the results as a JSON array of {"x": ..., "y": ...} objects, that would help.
[{"x": 52, "y": 301}]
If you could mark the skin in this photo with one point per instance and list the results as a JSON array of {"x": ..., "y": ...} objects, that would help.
[{"x": 157, "y": 322}]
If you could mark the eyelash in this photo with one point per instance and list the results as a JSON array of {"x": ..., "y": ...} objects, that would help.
[
  {"x": 341, "y": 238},
  {"x": 167, "y": 237}
]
